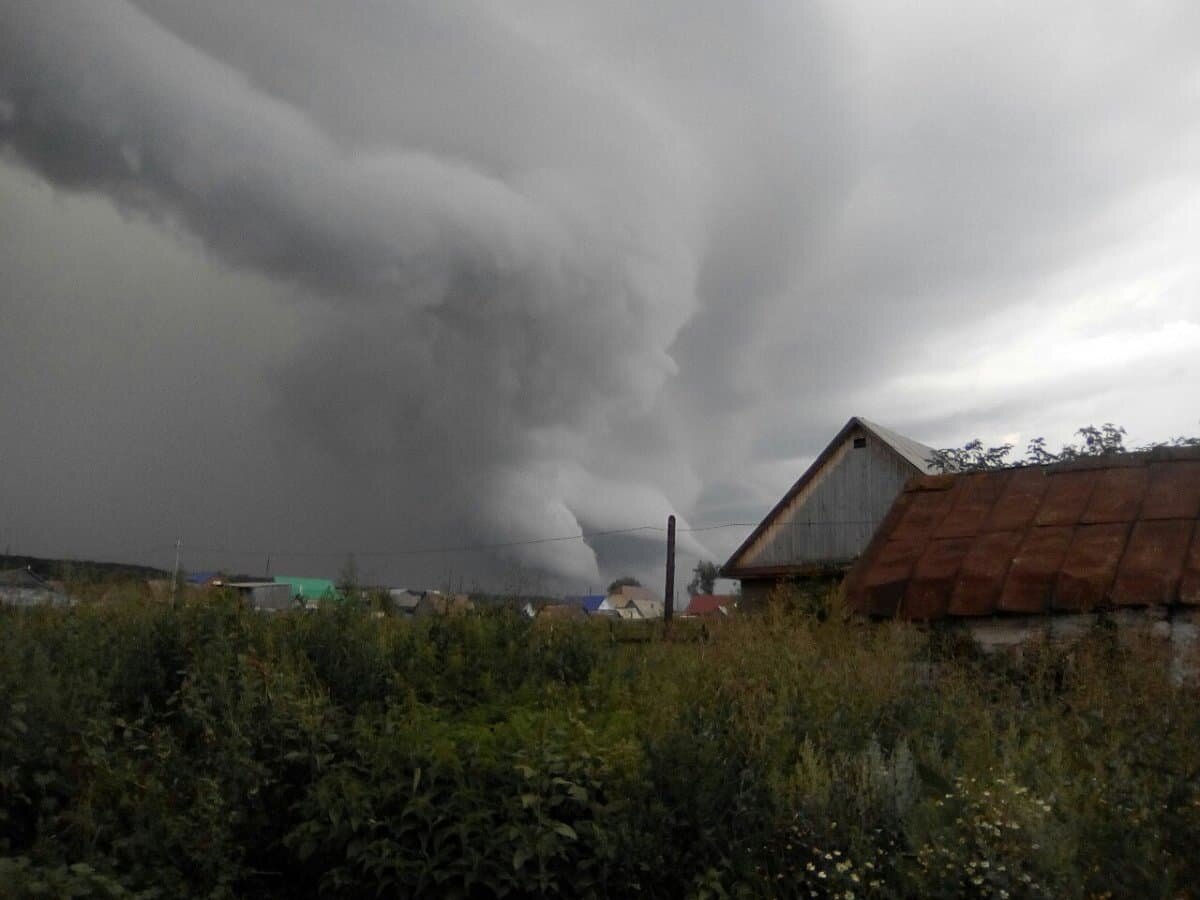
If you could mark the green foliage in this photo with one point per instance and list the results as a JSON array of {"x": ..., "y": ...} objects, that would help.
[
  {"x": 203, "y": 751},
  {"x": 348, "y": 583},
  {"x": 1105, "y": 440},
  {"x": 621, "y": 582},
  {"x": 704, "y": 577}
]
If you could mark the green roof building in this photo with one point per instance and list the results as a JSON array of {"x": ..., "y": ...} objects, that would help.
[{"x": 310, "y": 590}]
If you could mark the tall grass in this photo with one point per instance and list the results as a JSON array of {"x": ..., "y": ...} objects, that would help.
[{"x": 204, "y": 751}]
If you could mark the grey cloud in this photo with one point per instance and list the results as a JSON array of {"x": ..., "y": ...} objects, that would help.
[{"x": 529, "y": 269}]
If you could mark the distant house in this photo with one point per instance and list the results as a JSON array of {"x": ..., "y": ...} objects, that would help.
[
  {"x": 309, "y": 591},
  {"x": 711, "y": 605},
  {"x": 631, "y": 601},
  {"x": 435, "y": 603},
  {"x": 404, "y": 601},
  {"x": 266, "y": 596},
  {"x": 825, "y": 521},
  {"x": 589, "y": 603},
  {"x": 561, "y": 612},
  {"x": 203, "y": 579},
  {"x": 1042, "y": 549},
  {"x": 21, "y": 587}
]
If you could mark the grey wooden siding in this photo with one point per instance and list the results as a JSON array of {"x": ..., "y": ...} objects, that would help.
[{"x": 844, "y": 505}]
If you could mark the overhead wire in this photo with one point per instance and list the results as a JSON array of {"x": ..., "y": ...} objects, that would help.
[{"x": 463, "y": 548}]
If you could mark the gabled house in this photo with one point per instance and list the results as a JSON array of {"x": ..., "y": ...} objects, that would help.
[
  {"x": 404, "y": 602},
  {"x": 589, "y": 603},
  {"x": 632, "y": 601},
  {"x": 21, "y": 587},
  {"x": 647, "y": 607},
  {"x": 827, "y": 518}
]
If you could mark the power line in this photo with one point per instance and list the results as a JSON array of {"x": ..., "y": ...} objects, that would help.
[
  {"x": 464, "y": 548},
  {"x": 470, "y": 548}
]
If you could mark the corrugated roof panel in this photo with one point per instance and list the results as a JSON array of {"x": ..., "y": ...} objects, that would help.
[
  {"x": 1089, "y": 566},
  {"x": 981, "y": 576},
  {"x": 1067, "y": 496},
  {"x": 1122, "y": 531},
  {"x": 974, "y": 497},
  {"x": 1034, "y": 570},
  {"x": 1019, "y": 501},
  {"x": 933, "y": 577},
  {"x": 1117, "y": 495},
  {"x": 1153, "y": 563},
  {"x": 885, "y": 583},
  {"x": 925, "y": 510},
  {"x": 1189, "y": 581},
  {"x": 1173, "y": 492}
]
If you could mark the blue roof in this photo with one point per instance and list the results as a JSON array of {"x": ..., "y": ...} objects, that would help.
[
  {"x": 201, "y": 577},
  {"x": 589, "y": 602}
]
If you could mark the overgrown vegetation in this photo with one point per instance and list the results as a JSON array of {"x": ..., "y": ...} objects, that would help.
[{"x": 202, "y": 751}]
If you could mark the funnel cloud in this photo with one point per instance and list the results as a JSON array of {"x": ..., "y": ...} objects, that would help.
[{"x": 431, "y": 283}]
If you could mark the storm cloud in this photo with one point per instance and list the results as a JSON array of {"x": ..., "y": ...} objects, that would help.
[{"x": 392, "y": 277}]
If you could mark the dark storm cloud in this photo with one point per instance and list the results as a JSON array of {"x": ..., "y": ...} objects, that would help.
[{"x": 514, "y": 270}]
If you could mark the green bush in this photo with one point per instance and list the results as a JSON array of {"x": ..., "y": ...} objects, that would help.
[{"x": 150, "y": 751}]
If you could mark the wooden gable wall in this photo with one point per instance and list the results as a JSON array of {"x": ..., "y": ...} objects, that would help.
[{"x": 835, "y": 515}]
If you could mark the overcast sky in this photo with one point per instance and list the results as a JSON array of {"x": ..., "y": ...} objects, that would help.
[{"x": 306, "y": 278}]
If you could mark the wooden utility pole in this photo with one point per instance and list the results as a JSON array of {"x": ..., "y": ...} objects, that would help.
[
  {"x": 669, "y": 595},
  {"x": 175, "y": 574}
]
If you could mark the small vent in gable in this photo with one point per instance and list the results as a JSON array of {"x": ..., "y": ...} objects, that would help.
[{"x": 859, "y": 443}]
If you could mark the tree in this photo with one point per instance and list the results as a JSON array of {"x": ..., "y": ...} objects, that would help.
[
  {"x": 347, "y": 583},
  {"x": 704, "y": 576},
  {"x": 622, "y": 581},
  {"x": 970, "y": 457},
  {"x": 1106, "y": 440}
]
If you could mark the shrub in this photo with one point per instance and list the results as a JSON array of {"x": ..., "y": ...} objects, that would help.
[{"x": 206, "y": 751}]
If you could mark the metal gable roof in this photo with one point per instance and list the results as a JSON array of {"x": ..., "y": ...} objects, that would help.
[
  {"x": 913, "y": 452},
  {"x": 1098, "y": 533}
]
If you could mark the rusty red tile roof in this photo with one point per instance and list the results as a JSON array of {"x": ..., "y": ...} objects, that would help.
[
  {"x": 984, "y": 568},
  {"x": 1153, "y": 562},
  {"x": 709, "y": 604},
  {"x": 1034, "y": 569},
  {"x": 1019, "y": 501},
  {"x": 1189, "y": 581},
  {"x": 1174, "y": 491},
  {"x": 1093, "y": 534}
]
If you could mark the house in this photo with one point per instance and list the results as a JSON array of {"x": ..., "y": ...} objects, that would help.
[
  {"x": 309, "y": 591},
  {"x": 267, "y": 596},
  {"x": 647, "y": 607},
  {"x": 21, "y": 587},
  {"x": 825, "y": 521},
  {"x": 589, "y": 603},
  {"x": 435, "y": 603},
  {"x": 404, "y": 601},
  {"x": 716, "y": 606},
  {"x": 1030, "y": 550},
  {"x": 561, "y": 612},
  {"x": 632, "y": 601},
  {"x": 203, "y": 579}
]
